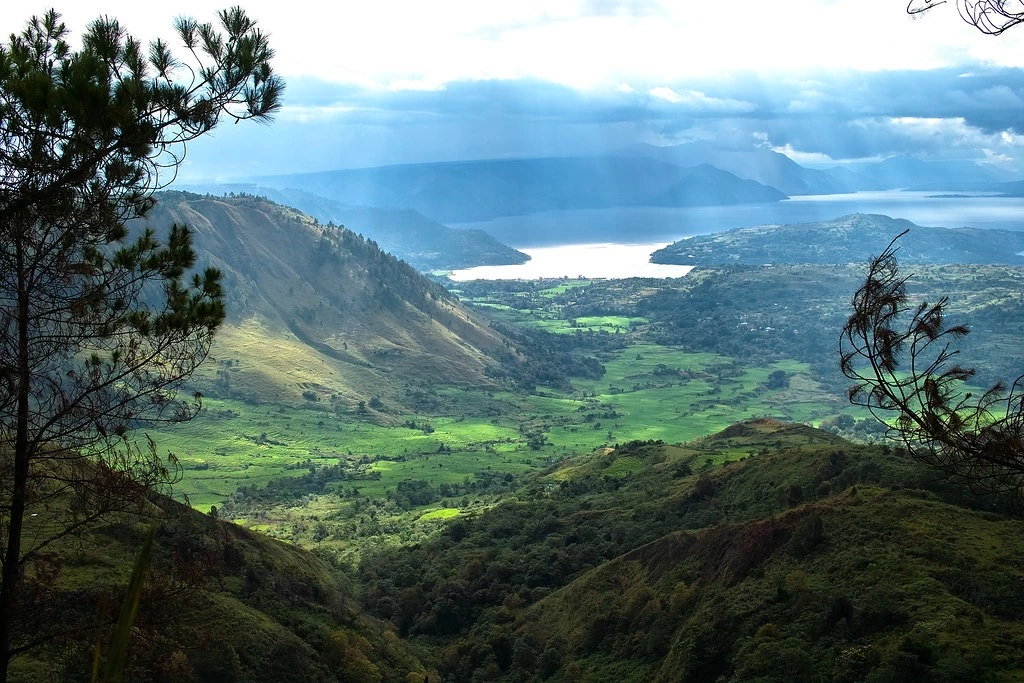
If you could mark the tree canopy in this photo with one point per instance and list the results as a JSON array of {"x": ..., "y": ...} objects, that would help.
[{"x": 100, "y": 324}]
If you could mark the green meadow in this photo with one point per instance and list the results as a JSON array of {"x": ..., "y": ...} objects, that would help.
[{"x": 648, "y": 392}]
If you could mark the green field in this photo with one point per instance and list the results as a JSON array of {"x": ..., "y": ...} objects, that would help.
[{"x": 648, "y": 392}]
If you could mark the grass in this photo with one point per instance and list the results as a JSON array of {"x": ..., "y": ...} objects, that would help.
[
  {"x": 441, "y": 514},
  {"x": 648, "y": 392},
  {"x": 564, "y": 287},
  {"x": 623, "y": 467},
  {"x": 616, "y": 324},
  {"x": 232, "y": 444},
  {"x": 463, "y": 435}
]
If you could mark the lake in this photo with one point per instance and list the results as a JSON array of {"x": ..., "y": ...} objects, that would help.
[
  {"x": 648, "y": 224},
  {"x": 579, "y": 261},
  {"x": 617, "y": 242}
]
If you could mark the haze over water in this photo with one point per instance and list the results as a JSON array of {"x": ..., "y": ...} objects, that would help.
[{"x": 643, "y": 224}]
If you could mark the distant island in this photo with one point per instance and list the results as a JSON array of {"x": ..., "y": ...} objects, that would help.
[{"x": 848, "y": 239}]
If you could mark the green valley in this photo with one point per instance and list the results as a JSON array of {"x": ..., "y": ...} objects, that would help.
[
  {"x": 581, "y": 479},
  {"x": 265, "y": 419}
]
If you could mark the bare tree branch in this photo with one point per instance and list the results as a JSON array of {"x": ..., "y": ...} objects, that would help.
[
  {"x": 991, "y": 17},
  {"x": 904, "y": 372}
]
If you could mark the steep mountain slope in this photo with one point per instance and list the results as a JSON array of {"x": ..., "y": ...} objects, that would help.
[
  {"x": 408, "y": 234},
  {"x": 220, "y": 603},
  {"x": 320, "y": 310},
  {"x": 847, "y": 239},
  {"x": 478, "y": 190}
]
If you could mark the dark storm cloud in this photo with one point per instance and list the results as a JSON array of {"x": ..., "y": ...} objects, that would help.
[
  {"x": 989, "y": 99},
  {"x": 844, "y": 116}
]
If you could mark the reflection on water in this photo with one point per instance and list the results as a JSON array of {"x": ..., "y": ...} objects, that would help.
[{"x": 579, "y": 260}]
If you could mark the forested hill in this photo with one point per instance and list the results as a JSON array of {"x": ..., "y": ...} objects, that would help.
[
  {"x": 220, "y": 603},
  {"x": 810, "y": 559},
  {"x": 319, "y": 311},
  {"x": 848, "y": 239}
]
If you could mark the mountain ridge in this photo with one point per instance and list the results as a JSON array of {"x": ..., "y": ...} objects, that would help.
[
  {"x": 421, "y": 242},
  {"x": 343, "y": 317}
]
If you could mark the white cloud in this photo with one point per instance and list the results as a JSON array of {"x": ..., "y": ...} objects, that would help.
[
  {"x": 421, "y": 84},
  {"x": 696, "y": 100},
  {"x": 309, "y": 114},
  {"x": 804, "y": 158},
  {"x": 951, "y": 133},
  {"x": 579, "y": 43},
  {"x": 998, "y": 159},
  {"x": 667, "y": 94}
]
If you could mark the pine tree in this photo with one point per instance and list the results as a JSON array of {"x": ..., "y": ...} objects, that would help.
[{"x": 99, "y": 327}]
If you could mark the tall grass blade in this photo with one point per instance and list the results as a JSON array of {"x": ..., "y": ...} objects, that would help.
[{"x": 113, "y": 671}]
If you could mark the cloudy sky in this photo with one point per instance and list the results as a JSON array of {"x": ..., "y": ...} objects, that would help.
[{"x": 396, "y": 81}]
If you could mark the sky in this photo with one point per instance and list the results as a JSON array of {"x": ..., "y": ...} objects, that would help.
[{"x": 387, "y": 81}]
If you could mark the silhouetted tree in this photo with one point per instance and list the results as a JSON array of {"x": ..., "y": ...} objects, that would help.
[
  {"x": 98, "y": 328},
  {"x": 905, "y": 375},
  {"x": 988, "y": 16}
]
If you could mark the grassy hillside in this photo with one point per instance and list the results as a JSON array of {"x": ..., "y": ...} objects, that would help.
[
  {"x": 220, "y": 604},
  {"x": 409, "y": 235},
  {"x": 805, "y": 557},
  {"x": 318, "y": 311}
]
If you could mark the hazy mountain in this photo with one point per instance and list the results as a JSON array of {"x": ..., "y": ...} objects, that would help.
[
  {"x": 1006, "y": 189},
  {"x": 763, "y": 165},
  {"x": 408, "y": 234},
  {"x": 903, "y": 172},
  {"x": 708, "y": 186},
  {"x": 848, "y": 239},
  {"x": 778, "y": 170},
  {"x": 478, "y": 190},
  {"x": 320, "y": 310}
]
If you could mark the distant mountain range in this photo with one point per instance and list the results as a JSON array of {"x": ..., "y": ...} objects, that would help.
[
  {"x": 762, "y": 165},
  {"x": 688, "y": 175},
  {"x": 902, "y": 172},
  {"x": 478, "y": 190},
  {"x": 404, "y": 209},
  {"x": 779, "y": 171},
  {"x": 848, "y": 239}
]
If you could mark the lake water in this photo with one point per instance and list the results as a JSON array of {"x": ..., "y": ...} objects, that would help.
[
  {"x": 617, "y": 242},
  {"x": 579, "y": 261},
  {"x": 647, "y": 224}
]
